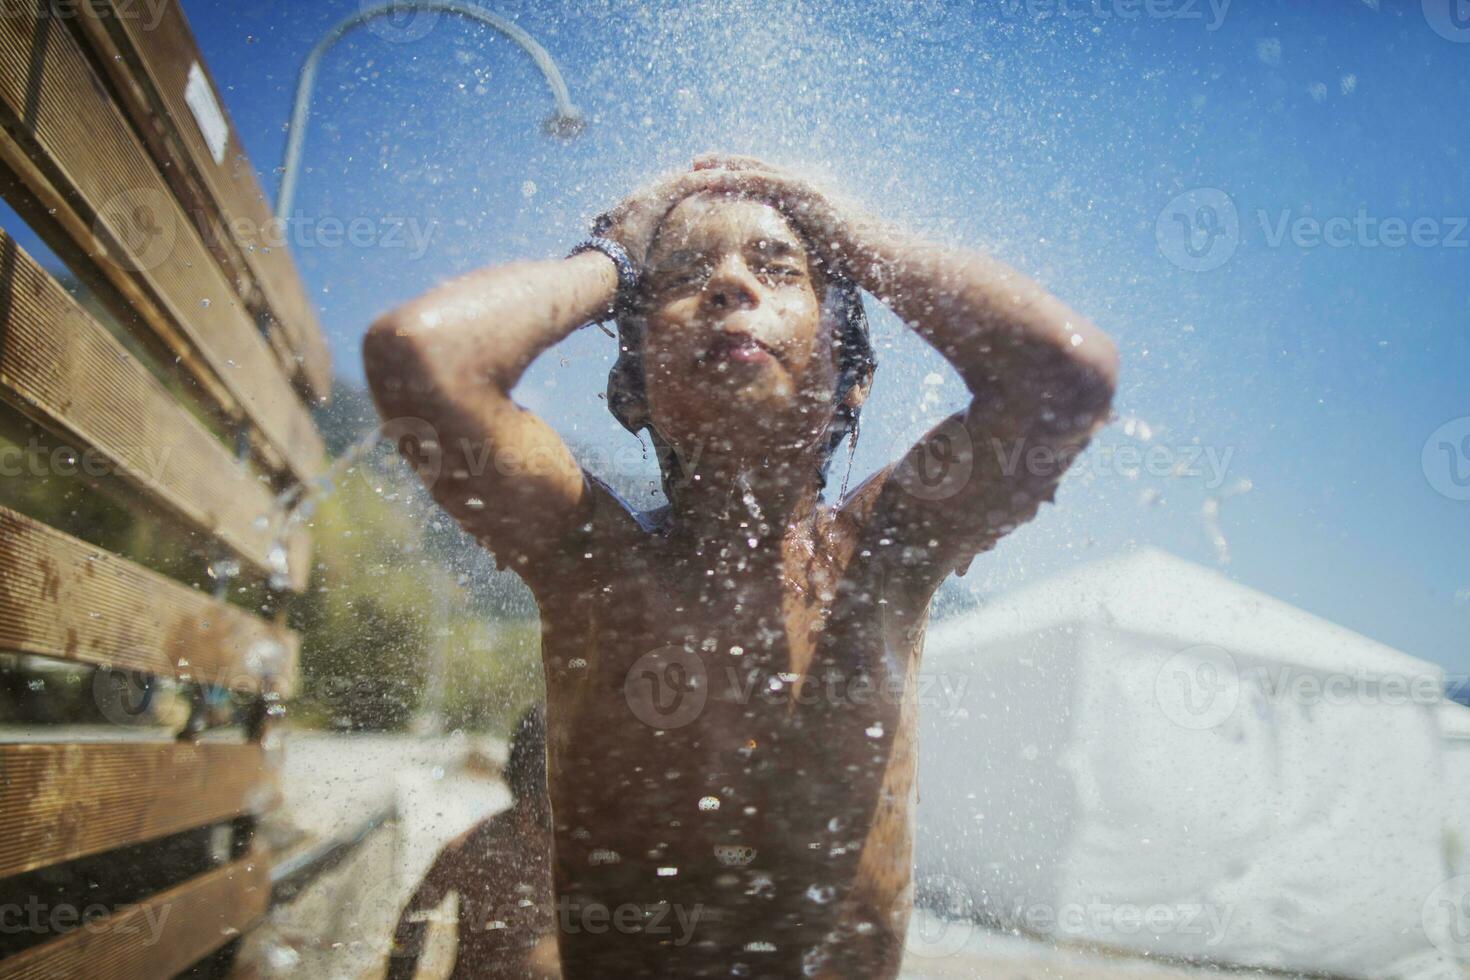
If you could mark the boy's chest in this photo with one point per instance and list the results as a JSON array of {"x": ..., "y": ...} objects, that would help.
[{"x": 772, "y": 615}]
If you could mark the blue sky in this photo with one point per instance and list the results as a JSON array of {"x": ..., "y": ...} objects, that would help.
[{"x": 1311, "y": 373}]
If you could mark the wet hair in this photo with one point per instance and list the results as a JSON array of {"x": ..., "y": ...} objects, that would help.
[
  {"x": 627, "y": 395},
  {"x": 525, "y": 770}
]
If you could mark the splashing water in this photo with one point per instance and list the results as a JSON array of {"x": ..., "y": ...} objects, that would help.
[
  {"x": 1210, "y": 513},
  {"x": 296, "y": 504}
]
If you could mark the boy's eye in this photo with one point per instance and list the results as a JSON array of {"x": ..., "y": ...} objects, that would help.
[{"x": 691, "y": 275}]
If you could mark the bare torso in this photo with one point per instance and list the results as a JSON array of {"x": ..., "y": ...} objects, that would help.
[{"x": 734, "y": 743}]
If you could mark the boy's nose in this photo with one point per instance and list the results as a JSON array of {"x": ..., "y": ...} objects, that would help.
[{"x": 731, "y": 285}]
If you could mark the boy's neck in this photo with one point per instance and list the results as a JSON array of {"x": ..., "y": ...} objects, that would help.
[{"x": 736, "y": 500}]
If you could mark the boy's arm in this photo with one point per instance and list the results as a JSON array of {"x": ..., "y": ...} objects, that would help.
[
  {"x": 1041, "y": 381},
  {"x": 441, "y": 369}
]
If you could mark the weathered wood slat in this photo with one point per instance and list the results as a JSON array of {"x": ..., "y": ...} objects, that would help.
[
  {"x": 159, "y": 937},
  {"x": 63, "y": 801},
  {"x": 61, "y": 597},
  {"x": 62, "y": 368},
  {"x": 80, "y": 157},
  {"x": 154, "y": 61}
]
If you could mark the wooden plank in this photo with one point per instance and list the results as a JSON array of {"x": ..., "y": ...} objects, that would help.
[
  {"x": 160, "y": 936},
  {"x": 153, "y": 61},
  {"x": 62, "y": 368},
  {"x": 72, "y": 151},
  {"x": 63, "y": 801},
  {"x": 61, "y": 597}
]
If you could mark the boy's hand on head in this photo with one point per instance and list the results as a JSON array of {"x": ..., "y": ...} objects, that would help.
[
  {"x": 829, "y": 224},
  {"x": 634, "y": 220}
]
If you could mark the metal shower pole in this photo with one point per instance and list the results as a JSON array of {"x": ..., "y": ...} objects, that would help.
[{"x": 565, "y": 122}]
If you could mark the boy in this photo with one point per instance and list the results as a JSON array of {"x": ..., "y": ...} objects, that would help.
[{"x": 730, "y": 678}]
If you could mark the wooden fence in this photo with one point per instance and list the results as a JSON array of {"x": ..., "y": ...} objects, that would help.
[{"x": 183, "y": 367}]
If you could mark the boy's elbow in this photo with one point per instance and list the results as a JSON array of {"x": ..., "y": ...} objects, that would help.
[
  {"x": 389, "y": 354},
  {"x": 1084, "y": 398},
  {"x": 1103, "y": 371},
  {"x": 386, "y": 337},
  {"x": 1094, "y": 396}
]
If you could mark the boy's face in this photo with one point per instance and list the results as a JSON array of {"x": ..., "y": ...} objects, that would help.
[{"x": 734, "y": 344}]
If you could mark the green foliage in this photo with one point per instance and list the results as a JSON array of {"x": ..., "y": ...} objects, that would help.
[
  {"x": 397, "y": 621},
  {"x": 492, "y": 672}
]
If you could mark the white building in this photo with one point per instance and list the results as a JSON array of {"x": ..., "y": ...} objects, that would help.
[{"x": 1152, "y": 758}]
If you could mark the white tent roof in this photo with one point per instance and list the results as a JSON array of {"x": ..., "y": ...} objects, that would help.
[{"x": 1153, "y": 593}]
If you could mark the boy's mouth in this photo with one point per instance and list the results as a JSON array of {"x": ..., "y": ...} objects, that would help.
[{"x": 739, "y": 348}]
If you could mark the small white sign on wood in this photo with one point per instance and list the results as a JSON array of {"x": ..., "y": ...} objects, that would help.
[{"x": 207, "y": 112}]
